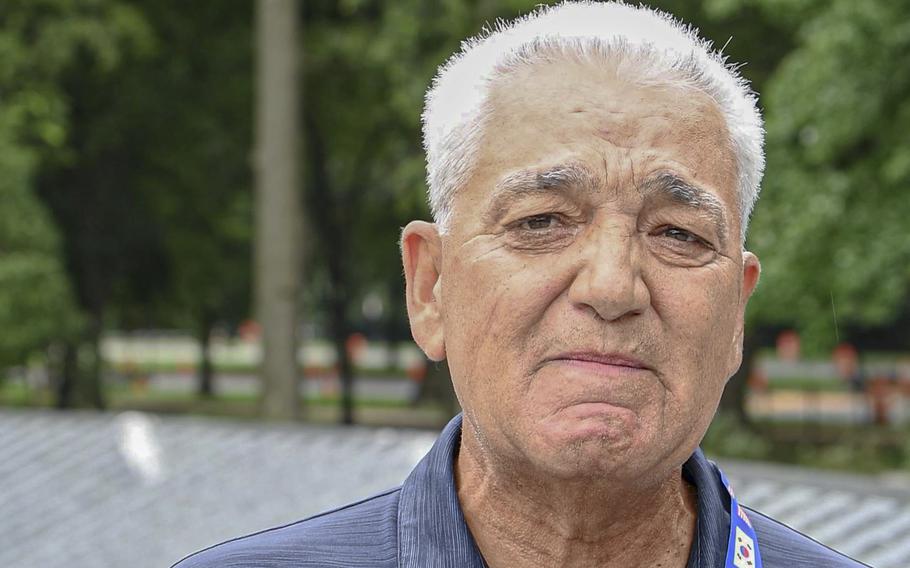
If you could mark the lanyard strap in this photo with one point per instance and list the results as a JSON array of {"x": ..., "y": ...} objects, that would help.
[{"x": 742, "y": 546}]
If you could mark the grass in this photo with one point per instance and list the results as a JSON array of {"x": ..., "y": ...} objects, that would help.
[
  {"x": 314, "y": 409},
  {"x": 167, "y": 367}
]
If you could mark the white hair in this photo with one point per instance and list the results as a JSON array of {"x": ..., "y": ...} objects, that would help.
[{"x": 650, "y": 46}]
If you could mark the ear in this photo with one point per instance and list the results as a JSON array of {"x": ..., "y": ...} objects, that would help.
[
  {"x": 420, "y": 254},
  {"x": 751, "y": 274}
]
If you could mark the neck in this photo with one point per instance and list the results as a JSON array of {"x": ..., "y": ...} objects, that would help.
[{"x": 521, "y": 519}]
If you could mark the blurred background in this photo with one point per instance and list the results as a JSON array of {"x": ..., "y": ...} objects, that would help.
[{"x": 199, "y": 272}]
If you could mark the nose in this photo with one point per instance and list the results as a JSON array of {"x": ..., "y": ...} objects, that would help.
[{"x": 609, "y": 278}]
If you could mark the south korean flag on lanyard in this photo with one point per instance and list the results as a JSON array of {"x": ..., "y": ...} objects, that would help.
[{"x": 742, "y": 548}]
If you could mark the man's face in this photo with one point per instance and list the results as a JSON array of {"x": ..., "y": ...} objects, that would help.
[{"x": 591, "y": 286}]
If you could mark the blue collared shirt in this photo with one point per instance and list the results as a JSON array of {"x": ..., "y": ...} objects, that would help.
[{"x": 420, "y": 524}]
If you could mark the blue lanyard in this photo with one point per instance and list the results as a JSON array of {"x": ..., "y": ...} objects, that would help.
[{"x": 742, "y": 546}]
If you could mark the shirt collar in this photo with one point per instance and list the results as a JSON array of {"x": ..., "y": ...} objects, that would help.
[
  {"x": 709, "y": 547},
  {"x": 431, "y": 527},
  {"x": 432, "y": 530}
]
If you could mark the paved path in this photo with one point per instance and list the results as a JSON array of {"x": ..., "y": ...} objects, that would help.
[
  {"x": 80, "y": 489},
  {"x": 866, "y": 517}
]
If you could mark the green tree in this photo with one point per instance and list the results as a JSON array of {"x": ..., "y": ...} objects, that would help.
[
  {"x": 36, "y": 303},
  {"x": 152, "y": 186},
  {"x": 40, "y": 42},
  {"x": 107, "y": 234},
  {"x": 830, "y": 224},
  {"x": 188, "y": 106}
]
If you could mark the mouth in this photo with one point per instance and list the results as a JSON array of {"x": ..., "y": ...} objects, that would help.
[
  {"x": 594, "y": 359},
  {"x": 593, "y": 384}
]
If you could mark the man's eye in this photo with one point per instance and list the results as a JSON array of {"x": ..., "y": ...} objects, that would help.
[
  {"x": 539, "y": 222},
  {"x": 681, "y": 235},
  {"x": 681, "y": 247}
]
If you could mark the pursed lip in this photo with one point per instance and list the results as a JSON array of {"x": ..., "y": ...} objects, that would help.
[{"x": 596, "y": 357}]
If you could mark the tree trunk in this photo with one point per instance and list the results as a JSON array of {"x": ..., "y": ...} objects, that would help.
[
  {"x": 331, "y": 224},
  {"x": 278, "y": 204},
  {"x": 340, "y": 334},
  {"x": 94, "y": 381},
  {"x": 66, "y": 381},
  {"x": 82, "y": 385},
  {"x": 205, "y": 373}
]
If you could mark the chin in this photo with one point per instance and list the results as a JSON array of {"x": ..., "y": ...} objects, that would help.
[{"x": 586, "y": 448}]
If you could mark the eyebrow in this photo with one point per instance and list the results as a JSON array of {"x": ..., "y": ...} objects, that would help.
[{"x": 562, "y": 178}]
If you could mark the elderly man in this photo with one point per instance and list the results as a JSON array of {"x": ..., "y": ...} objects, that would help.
[{"x": 591, "y": 169}]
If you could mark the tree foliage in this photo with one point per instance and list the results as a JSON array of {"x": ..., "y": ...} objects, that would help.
[
  {"x": 189, "y": 105},
  {"x": 36, "y": 304},
  {"x": 151, "y": 185},
  {"x": 830, "y": 226},
  {"x": 39, "y": 43}
]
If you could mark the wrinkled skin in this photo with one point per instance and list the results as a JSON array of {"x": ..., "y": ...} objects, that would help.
[{"x": 603, "y": 266}]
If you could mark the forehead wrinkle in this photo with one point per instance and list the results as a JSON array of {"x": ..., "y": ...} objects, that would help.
[
  {"x": 559, "y": 179},
  {"x": 678, "y": 190}
]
